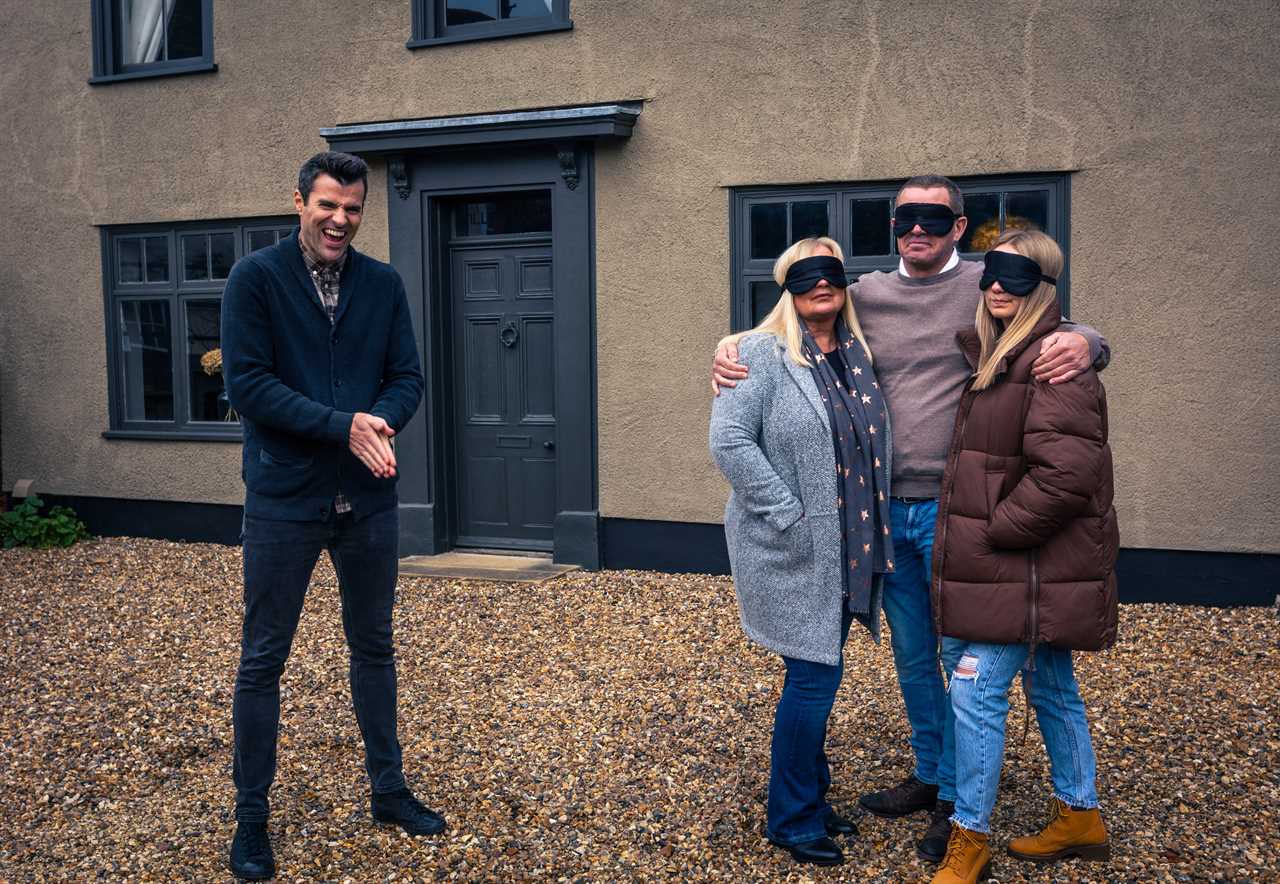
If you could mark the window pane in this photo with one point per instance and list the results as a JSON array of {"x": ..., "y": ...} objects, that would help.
[
  {"x": 147, "y": 360},
  {"x": 768, "y": 230},
  {"x": 195, "y": 257},
  {"x": 525, "y": 8},
  {"x": 983, "y": 211},
  {"x": 808, "y": 219},
  {"x": 204, "y": 361},
  {"x": 1026, "y": 210},
  {"x": 145, "y": 33},
  {"x": 869, "y": 224},
  {"x": 764, "y": 295},
  {"x": 223, "y": 254},
  {"x": 469, "y": 12},
  {"x": 260, "y": 239},
  {"x": 157, "y": 248},
  {"x": 186, "y": 31},
  {"x": 503, "y": 213},
  {"x": 129, "y": 255}
]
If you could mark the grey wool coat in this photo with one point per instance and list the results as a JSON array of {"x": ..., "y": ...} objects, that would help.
[{"x": 771, "y": 437}]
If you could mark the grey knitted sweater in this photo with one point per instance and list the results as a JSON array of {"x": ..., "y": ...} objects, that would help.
[{"x": 911, "y": 326}]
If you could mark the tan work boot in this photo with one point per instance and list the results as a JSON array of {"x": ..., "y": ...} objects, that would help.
[
  {"x": 968, "y": 858},
  {"x": 1069, "y": 833}
]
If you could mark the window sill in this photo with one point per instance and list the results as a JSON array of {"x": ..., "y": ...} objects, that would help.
[
  {"x": 175, "y": 435},
  {"x": 196, "y": 67},
  {"x": 496, "y": 33}
]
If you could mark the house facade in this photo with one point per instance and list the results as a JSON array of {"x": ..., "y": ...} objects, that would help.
[{"x": 582, "y": 196}]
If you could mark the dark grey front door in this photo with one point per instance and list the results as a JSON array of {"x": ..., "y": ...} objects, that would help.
[{"x": 504, "y": 393}]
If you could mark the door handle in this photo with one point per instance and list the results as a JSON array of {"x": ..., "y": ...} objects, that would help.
[
  {"x": 509, "y": 335},
  {"x": 549, "y": 445}
]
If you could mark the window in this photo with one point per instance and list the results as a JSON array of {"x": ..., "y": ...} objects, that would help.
[
  {"x": 163, "y": 309},
  {"x": 765, "y": 220},
  {"x": 453, "y": 21},
  {"x": 151, "y": 38}
]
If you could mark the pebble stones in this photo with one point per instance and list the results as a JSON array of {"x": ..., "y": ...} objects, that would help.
[{"x": 607, "y": 726}]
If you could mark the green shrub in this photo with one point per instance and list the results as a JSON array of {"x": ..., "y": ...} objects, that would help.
[{"x": 24, "y": 526}]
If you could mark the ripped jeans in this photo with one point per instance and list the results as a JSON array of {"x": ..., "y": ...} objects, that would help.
[{"x": 979, "y": 693}]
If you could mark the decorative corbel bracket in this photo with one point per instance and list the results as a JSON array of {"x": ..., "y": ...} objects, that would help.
[
  {"x": 399, "y": 175},
  {"x": 568, "y": 165}
]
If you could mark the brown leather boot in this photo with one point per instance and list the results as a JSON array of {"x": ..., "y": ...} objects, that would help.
[
  {"x": 1069, "y": 833},
  {"x": 968, "y": 858}
]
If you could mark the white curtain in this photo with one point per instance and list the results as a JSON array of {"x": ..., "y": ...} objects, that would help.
[{"x": 143, "y": 24}]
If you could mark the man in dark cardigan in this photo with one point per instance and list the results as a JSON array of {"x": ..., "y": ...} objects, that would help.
[{"x": 322, "y": 366}]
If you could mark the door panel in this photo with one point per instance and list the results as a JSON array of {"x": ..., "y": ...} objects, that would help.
[
  {"x": 504, "y": 394},
  {"x": 537, "y": 387},
  {"x": 484, "y": 371}
]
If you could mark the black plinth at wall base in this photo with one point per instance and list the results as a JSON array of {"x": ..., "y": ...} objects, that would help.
[
  {"x": 675, "y": 547},
  {"x": 1145, "y": 575},
  {"x": 1188, "y": 577},
  {"x": 161, "y": 519}
]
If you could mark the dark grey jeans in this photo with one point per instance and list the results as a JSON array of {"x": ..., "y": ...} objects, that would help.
[{"x": 278, "y": 560}]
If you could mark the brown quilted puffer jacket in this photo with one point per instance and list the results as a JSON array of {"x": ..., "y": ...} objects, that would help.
[{"x": 1026, "y": 539}]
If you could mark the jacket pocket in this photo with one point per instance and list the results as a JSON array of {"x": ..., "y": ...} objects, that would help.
[
  {"x": 295, "y": 463},
  {"x": 993, "y": 485},
  {"x": 273, "y": 476},
  {"x": 779, "y": 552}
]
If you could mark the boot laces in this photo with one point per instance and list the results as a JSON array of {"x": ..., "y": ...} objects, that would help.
[
  {"x": 1057, "y": 813},
  {"x": 961, "y": 839},
  {"x": 255, "y": 840},
  {"x": 411, "y": 806}
]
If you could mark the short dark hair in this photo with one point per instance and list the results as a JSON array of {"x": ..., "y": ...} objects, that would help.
[
  {"x": 344, "y": 168},
  {"x": 954, "y": 196}
]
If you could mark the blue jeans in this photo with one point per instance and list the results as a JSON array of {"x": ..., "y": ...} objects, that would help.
[
  {"x": 798, "y": 773},
  {"x": 278, "y": 560},
  {"x": 909, "y": 612},
  {"x": 980, "y": 697}
]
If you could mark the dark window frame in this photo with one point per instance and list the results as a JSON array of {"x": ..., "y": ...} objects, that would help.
[
  {"x": 429, "y": 28},
  {"x": 107, "y": 66},
  {"x": 745, "y": 270},
  {"x": 177, "y": 292}
]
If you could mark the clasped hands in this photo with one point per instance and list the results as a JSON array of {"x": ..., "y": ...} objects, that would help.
[{"x": 370, "y": 440}]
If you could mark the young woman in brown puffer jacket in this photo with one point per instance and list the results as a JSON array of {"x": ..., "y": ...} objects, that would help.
[{"x": 1023, "y": 563}]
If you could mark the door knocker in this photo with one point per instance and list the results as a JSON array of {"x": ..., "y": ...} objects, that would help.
[{"x": 509, "y": 335}]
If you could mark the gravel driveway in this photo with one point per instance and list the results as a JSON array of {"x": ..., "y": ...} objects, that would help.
[{"x": 601, "y": 727}]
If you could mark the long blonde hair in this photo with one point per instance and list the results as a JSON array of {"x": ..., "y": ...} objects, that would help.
[
  {"x": 783, "y": 322},
  {"x": 996, "y": 343}
]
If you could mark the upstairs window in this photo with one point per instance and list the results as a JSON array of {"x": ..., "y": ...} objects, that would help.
[
  {"x": 454, "y": 21},
  {"x": 151, "y": 38}
]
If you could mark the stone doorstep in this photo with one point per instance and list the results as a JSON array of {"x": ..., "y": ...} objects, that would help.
[{"x": 479, "y": 566}]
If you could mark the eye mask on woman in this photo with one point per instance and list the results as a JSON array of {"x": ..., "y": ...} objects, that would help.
[
  {"x": 1018, "y": 274},
  {"x": 808, "y": 272},
  {"x": 935, "y": 218}
]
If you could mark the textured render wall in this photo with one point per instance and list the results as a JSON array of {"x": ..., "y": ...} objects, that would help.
[{"x": 1166, "y": 114}]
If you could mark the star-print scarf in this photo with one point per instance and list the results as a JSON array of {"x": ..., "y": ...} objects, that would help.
[{"x": 856, "y": 410}]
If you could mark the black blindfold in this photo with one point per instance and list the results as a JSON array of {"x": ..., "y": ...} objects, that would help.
[
  {"x": 935, "y": 218},
  {"x": 808, "y": 272},
  {"x": 1017, "y": 274}
]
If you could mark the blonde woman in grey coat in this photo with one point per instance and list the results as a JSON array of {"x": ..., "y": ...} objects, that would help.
[{"x": 804, "y": 443}]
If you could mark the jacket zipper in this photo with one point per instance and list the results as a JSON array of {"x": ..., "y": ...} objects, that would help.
[
  {"x": 1033, "y": 592},
  {"x": 944, "y": 499}
]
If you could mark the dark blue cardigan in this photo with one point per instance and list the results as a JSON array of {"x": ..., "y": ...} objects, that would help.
[{"x": 297, "y": 381}]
